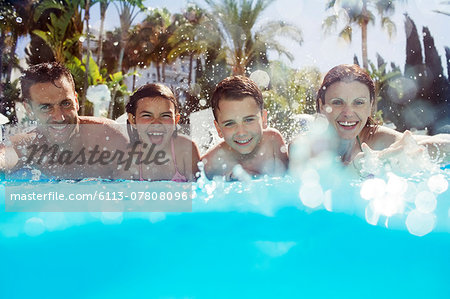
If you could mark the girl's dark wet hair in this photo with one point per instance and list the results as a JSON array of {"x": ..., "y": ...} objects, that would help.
[
  {"x": 150, "y": 90},
  {"x": 43, "y": 73},
  {"x": 349, "y": 73},
  {"x": 236, "y": 88}
]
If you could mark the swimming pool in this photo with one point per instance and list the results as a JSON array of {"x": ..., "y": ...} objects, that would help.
[{"x": 253, "y": 239}]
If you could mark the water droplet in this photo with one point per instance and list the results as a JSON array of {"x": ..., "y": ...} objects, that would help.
[
  {"x": 34, "y": 226},
  {"x": 116, "y": 43},
  {"x": 437, "y": 184},
  {"x": 419, "y": 223},
  {"x": 19, "y": 20},
  {"x": 82, "y": 39},
  {"x": 371, "y": 216},
  {"x": 261, "y": 78},
  {"x": 373, "y": 188},
  {"x": 425, "y": 202},
  {"x": 311, "y": 194}
]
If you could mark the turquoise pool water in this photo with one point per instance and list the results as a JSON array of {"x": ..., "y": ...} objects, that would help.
[{"x": 243, "y": 240}]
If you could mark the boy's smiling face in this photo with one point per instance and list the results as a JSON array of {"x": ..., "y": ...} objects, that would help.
[{"x": 241, "y": 123}]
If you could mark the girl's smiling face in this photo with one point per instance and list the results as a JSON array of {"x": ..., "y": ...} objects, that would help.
[
  {"x": 155, "y": 120},
  {"x": 347, "y": 107}
]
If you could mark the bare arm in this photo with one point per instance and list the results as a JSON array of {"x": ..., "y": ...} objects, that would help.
[
  {"x": 194, "y": 159},
  {"x": 8, "y": 158},
  {"x": 280, "y": 152}
]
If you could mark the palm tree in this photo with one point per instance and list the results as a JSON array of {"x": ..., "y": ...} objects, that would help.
[
  {"x": 103, "y": 7},
  {"x": 154, "y": 33},
  {"x": 236, "y": 21},
  {"x": 192, "y": 36},
  {"x": 359, "y": 12},
  {"x": 15, "y": 22},
  {"x": 127, "y": 11},
  {"x": 443, "y": 12},
  {"x": 65, "y": 28}
]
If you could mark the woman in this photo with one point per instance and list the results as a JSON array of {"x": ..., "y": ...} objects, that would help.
[
  {"x": 347, "y": 99},
  {"x": 162, "y": 154}
]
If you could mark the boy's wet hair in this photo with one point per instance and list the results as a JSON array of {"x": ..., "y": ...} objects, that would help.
[
  {"x": 236, "y": 88},
  {"x": 349, "y": 73},
  {"x": 43, "y": 73},
  {"x": 151, "y": 90}
]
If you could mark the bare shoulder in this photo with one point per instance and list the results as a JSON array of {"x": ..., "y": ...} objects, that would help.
[
  {"x": 100, "y": 126},
  {"x": 383, "y": 138},
  {"x": 272, "y": 133},
  {"x": 22, "y": 138},
  {"x": 212, "y": 158},
  {"x": 274, "y": 138},
  {"x": 183, "y": 141},
  {"x": 92, "y": 120},
  {"x": 217, "y": 151}
]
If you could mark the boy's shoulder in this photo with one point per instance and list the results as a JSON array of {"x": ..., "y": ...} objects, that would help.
[
  {"x": 217, "y": 151},
  {"x": 272, "y": 133},
  {"x": 273, "y": 136}
]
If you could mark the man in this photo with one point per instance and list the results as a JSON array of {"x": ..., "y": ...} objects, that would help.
[{"x": 64, "y": 145}]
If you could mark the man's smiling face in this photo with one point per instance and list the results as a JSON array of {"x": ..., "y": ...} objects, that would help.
[{"x": 55, "y": 108}]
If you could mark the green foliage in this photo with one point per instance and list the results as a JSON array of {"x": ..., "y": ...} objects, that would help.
[
  {"x": 385, "y": 84},
  {"x": 64, "y": 30},
  {"x": 291, "y": 97},
  {"x": 242, "y": 43}
]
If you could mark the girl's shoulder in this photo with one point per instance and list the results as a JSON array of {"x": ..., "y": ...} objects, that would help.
[{"x": 181, "y": 141}]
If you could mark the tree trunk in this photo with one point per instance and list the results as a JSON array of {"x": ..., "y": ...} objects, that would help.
[
  {"x": 103, "y": 8},
  {"x": 88, "y": 58},
  {"x": 158, "y": 74},
  {"x": 2, "y": 45},
  {"x": 134, "y": 79},
  {"x": 364, "y": 24},
  {"x": 163, "y": 71},
  {"x": 12, "y": 54},
  {"x": 191, "y": 58},
  {"x": 119, "y": 69}
]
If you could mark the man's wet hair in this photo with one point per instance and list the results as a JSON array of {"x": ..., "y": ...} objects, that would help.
[
  {"x": 236, "y": 88},
  {"x": 43, "y": 73}
]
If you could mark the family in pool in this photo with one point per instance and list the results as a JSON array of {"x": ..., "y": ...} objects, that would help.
[{"x": 97, "y": 147}]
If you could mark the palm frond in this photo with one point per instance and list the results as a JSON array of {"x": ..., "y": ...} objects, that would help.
[
  {"x": 346, "y": 33},
  {"x": 389, "y": 26}
]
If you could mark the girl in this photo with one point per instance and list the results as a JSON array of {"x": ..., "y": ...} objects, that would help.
[{"x": 162, "y": 154}]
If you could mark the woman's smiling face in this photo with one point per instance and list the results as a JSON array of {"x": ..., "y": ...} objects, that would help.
[{"x": 347, "y": 107}]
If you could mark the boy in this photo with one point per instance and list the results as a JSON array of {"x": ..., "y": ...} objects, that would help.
[{"x": 241, "y": 120}]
